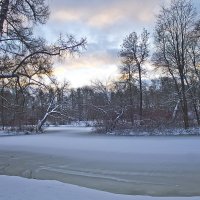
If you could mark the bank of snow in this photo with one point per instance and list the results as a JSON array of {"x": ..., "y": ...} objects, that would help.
[
  {"x": 16, "y": 188},
  {"x": 13, "y": 133},
  {"x": 193, "y": 131},
  {"x": 10, "y": 131}
]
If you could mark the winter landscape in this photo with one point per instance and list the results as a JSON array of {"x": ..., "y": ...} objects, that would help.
[{"x": 99, "y": 100}]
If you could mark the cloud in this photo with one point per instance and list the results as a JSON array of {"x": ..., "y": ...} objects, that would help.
[
  {"x": 92, "y": 59},
  {"x": 91, "y": 65},
  {"x": 105, "y": 23},
  {"x": 98, "y": 13},
  {"x": 84, "y": 76},
  {"x": 66, "y": 15}
]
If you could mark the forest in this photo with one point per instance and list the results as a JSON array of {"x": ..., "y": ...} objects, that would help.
[{"x": 31, "y": 97}]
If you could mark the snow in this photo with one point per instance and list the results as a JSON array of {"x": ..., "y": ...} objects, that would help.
[
  {"x": 79, "y": 124},
  {"x": 160, "y": 132},
  {"x": 12, "y": 133},
  {"x": 154, "y": 166},
  {"x": 16, "y": 188},
  {"x": 64, "y": 139}
]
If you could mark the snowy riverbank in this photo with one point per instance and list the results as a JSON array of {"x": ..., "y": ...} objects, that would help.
[
  {"x": 16, "y": 188},
  {"x": 193, "y": 131}
]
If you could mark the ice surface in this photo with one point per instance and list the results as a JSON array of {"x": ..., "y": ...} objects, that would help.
[{"x": 155, "y": 166}]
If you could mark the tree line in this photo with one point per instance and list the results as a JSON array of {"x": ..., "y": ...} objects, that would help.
[{"x": 131, "y": 101}]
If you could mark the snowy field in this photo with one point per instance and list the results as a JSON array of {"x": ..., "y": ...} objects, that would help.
[{"x": 153, "y": 166}]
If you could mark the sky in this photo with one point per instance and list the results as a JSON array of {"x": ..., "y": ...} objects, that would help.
[{"x": 105, "y": 23}]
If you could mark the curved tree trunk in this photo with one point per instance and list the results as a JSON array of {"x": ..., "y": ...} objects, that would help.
[{"x": 41, "y": 123}]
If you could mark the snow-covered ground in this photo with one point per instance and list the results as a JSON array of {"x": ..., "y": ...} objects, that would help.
[
  {"x": 11, "y": 133},
  {"x": 193, "y": 131},
  {"x": 154, "y": 166},
  {"x": 16, "y": 188}
]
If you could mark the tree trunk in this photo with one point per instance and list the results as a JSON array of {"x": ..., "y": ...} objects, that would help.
[
  {"x": 192, "y": 94},
  {"x": 175, "y": 111},
  {"x": 184, "y": 103},
  {"x": 3, "y": 14},
  {"x": 140, "y": 82},
  {"x": 131, "y": 102},
  {"x": 196, "y": 113},
  {"x": 41, "y": 123},
  {"x": 2, "y": 108}
]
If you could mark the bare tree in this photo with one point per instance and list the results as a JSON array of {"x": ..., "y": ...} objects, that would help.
[
  {"x": 127, "y": 77},
  {"x": 109, "y": 110},
  {"x": 134, "y": 53},
  {"x": 24, "y": 57},
  {"x": 172, "y": 38},
  {"x": 193, "y": 73},
  {"x": 20, "y": 49}
]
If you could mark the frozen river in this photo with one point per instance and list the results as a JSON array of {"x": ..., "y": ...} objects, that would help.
[{"x": 155, "y": 166}]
